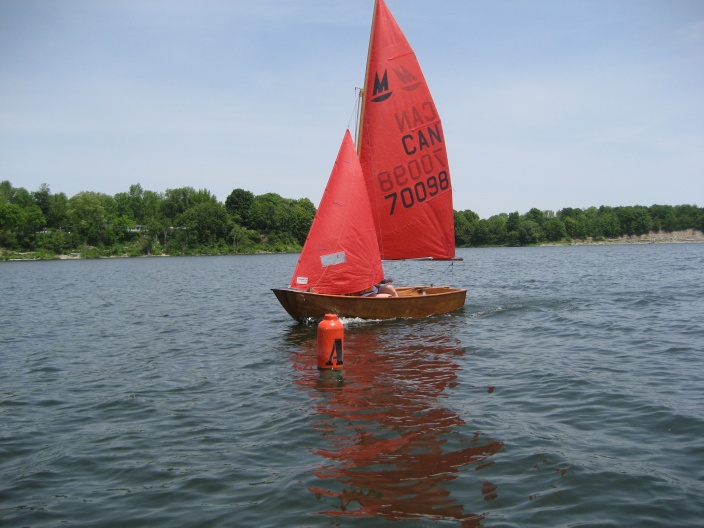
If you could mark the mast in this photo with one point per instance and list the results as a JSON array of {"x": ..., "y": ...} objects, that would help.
[{"x": 362, "y": 92}]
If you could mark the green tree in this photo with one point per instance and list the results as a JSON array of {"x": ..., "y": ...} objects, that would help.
[
  {"x": 513, "y": 224},
  {"x": 634, "y": 220},
  {"x": 554, "y": 230},
  {"x": 463, "y": 230},
  {"x": 58, "y": 241},
  {"x": 497, "y": 229},
  {"x": 178, "y": 201},
  {"x": 569, "y": 212},
  {"x": 42, "y": 197},
  {"x": 129, "y": 204},
  {"x": 22, "y": 224},
  {"x": 57, "y": 215},
  {"x": 20, "y": 196},
  {"x": 481, "y": 235},
  {"x": 88, "y": 217},
  {"x": 529, "y": 232},
  {"x": 238, "y": 204},
  {"x": 20, "y": 217},
  {"x": 690, "y": 217},
  {"x": 465, "y": 226},
  {"x": 205, "y": 224},
  {"x": 575, "y": 227},
  {"x": 536, "y": 215},
  {"x": 608, "y": 225},
  {"x": 300, "y": 214},
  {"x": 264, "y": 215},
  {"x": 5, "y": 191},
  {"x": 244, "y": 240},
  {"x": 513, "y": 221},
  {"x": 11, "y": 218}
]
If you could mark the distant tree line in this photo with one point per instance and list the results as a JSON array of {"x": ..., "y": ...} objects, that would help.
[
  {"x": 537, "y": 227},
  {"x": 186, "y": 221},
  {"x": 181, "y": 221}
]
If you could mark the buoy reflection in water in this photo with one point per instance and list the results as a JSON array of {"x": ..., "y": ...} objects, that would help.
[{"x": 389, "y": 443}]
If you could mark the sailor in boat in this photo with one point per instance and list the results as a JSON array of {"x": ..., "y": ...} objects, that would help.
[{"x": 381, "y": 290}]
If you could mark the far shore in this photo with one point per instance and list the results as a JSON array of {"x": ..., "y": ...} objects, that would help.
[{"x": 688, "y": 236}]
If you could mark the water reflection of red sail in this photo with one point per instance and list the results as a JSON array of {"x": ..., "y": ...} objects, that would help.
[{"x": 391, "y": 445}]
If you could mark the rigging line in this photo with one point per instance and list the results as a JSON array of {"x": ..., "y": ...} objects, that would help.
[
  {"x": 451, "y": 265},
  {"x": 355, "y": 114}
]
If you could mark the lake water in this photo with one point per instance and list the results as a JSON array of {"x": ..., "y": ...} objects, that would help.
[{"x": 177, "y": 392}]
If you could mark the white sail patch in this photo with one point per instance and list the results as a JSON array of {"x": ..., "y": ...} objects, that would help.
[{"x": 333, "y": 258}]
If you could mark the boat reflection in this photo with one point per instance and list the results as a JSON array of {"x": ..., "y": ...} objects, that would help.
[{"x": 390, "y": 443}]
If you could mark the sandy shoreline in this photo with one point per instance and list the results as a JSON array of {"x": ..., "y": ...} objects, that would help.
[{"x": 687, "y": 236}]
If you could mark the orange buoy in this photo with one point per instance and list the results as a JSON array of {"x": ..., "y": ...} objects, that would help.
[{"x": 331, "y": 336}]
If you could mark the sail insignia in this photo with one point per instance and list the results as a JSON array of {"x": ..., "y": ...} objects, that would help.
[{"x": 381, "y": 90}]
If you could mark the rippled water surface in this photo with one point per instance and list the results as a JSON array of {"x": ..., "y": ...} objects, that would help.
[{"x": 177, "y": 392}]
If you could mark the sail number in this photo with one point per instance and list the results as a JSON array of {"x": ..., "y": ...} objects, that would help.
[
  {"x": 404, "y": 176},
  {"x": 419, "y": 192}
]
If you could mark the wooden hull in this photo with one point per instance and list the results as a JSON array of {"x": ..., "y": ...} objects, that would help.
[{"x": 412, "y": 303}]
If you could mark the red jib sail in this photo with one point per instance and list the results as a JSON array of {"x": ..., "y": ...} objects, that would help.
[
  {"x": 402, "y": 150},
  {"x": 341, "y": 254}
]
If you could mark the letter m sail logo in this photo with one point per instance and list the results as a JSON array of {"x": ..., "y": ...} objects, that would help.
[
  {"x": 381, "y": 88},
  {"x": 407, "y": 79}
]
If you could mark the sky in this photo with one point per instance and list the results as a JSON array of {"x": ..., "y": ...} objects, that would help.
[{"x": 544, "y": 103}]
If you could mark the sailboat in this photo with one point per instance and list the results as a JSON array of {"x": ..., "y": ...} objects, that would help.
[{"x": 388, "y": 199}]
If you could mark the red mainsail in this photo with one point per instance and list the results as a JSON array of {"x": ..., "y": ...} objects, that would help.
[
  {"x": 341, "y": 254},
  {"x": 402, "y": 150}
]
